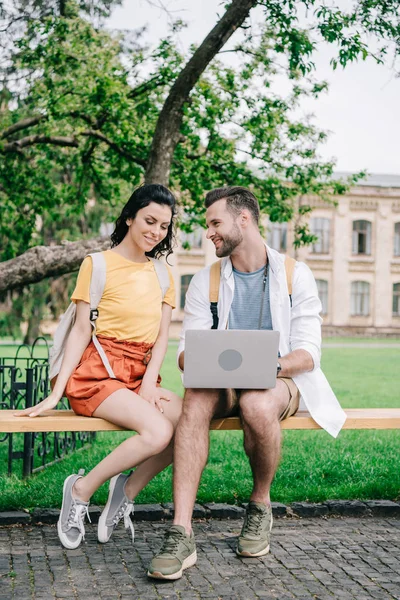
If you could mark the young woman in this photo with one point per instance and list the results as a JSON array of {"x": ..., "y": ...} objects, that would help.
[{"x": 132, "y": 328}]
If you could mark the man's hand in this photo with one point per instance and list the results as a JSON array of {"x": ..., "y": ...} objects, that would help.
[
  {"x": 295, "y": 363},
  {"x": 153, "y": 395},
  {"x": 34, "y": 411}
]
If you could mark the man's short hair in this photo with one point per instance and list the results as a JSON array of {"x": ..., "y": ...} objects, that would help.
[{"x": 237, "y": 198}]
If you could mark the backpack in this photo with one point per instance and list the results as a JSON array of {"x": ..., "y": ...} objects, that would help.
[
  {"x": 97, "y": 284},
  {"x": 215, "y": 276}
]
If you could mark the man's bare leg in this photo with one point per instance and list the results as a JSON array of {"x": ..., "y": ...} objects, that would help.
[
  {"x": 260, "y": 411},
  {"x": 178, "y": 551},
  {"x": 191, "y": 450}
]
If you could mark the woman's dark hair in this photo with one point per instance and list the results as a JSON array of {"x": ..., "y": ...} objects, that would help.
[{"x": 141, "y": 198}]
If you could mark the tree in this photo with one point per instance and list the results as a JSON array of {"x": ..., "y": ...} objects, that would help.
[{"x": 86, "y": 125}]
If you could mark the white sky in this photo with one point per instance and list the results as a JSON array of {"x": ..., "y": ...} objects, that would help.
[{"x": 361, "y": 108}]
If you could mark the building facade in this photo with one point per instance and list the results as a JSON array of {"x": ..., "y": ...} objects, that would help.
[{"x": 356, "y": 260}]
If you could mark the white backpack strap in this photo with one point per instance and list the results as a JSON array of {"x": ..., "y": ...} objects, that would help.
[
  {"x": 97, "y": 285},
  {"x": 162, "y": 274},
  {"x": 98, "y": 281}
]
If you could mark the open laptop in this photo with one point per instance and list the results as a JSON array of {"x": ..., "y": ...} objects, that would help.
[{"x": 231, "y": 358}]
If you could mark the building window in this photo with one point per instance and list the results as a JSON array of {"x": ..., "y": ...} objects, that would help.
[
  {"x": 397, "y": 239},
  {"x": 192, "y": 240},
  {"x": 322, "y": 229},
  {"x": 361, "y": 237},
  {"x": 185, "y": 280},
  {"x": 322, "y": 286},
  {"x": 277, "y": 236},
  {"x": 396, "y": 299},
  {"x": 360, "y": 298}
]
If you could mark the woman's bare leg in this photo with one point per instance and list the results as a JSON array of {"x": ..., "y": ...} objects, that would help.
[
  {"x": 154, "y": 435},
  {"x": 155, "y": 464}
]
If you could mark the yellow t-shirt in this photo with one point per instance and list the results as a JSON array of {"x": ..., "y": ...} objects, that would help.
[{"x": 130, "y": 308}]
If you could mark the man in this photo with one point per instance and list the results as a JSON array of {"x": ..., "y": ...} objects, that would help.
[{"x": 253, "y": 286}]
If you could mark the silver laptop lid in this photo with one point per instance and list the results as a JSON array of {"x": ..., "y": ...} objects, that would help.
[{"x": 231, "y": 358}]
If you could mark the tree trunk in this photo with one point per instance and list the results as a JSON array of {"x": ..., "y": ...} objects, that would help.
[
  {"x": 47, "y": 261},
  {"x": 33, "y": 329},
  {"x": 167, "y": 132},
  {"x": 61, "y": 7}
]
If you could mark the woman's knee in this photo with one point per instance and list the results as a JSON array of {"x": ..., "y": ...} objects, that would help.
[
  {"x": 173, "y": 408},
  {"x": 158, "y": 436}
]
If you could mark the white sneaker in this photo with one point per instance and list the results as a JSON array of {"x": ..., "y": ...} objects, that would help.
[
  {"x": 118, "y": 507},
  {"x": 70, "y": 525}
]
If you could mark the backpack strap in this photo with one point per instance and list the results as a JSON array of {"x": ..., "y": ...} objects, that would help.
[
  {"x": 290, "y": 264},
  {"x": 215, "y": 277},
  {"x": 97, "y": 285},
  {"x": 162, "y": 274}
]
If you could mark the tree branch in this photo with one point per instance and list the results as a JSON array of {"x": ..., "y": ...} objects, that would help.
[
  {"x": 125, "y": 153},
  {"x": 169, "y": 121},
  {"x": 24, "y": 124},
  {"x": 142, "y": 88},
  {"x": 31, "y": 140},
  {"x": 47, "y": 261},
  {"x": 31, "y": 121},
  {"x": 17, "y": 145}
]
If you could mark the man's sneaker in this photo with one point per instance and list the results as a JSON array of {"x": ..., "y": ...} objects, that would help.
[
  {"x": 70, "y": 526},
  {"x": 256, "y": 531},
  {"x": 177, "y": 554},
  {"x": 118, "y": 507}
]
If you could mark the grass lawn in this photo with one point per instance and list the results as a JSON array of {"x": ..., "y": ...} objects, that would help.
[
  {"x": 361, "y": 340},
  {"x": 314, "y": 466}
]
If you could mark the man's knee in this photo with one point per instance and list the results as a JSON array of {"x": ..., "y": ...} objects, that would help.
[
  {"x": 261, "y": 407},
  {"x": 200, "y": 404}
]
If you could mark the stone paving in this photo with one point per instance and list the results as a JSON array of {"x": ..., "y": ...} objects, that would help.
[{"x": 319, "y": 558}]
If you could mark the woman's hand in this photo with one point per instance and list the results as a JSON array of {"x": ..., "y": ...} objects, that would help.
[
  {"x": 153, "y": 395},
  {"x": 47, "y": 404}
]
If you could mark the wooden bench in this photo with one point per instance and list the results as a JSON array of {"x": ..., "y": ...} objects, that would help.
[{"x": 66, "y": 420}]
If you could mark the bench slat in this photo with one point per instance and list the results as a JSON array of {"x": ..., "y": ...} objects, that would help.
[
  {"x": 66, "y": 420},
  {"x": 357, "y": 418}
]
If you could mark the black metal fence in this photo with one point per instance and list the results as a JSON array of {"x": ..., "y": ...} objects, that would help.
[{"x": 24, "y": 381}]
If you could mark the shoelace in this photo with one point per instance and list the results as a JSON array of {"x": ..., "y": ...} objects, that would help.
[
  {"x": 124, "y": 512},
  {"x": 171, "y": 542},
  {"x": 254, "y": 521},
  {"x": 77, "y": 516}
]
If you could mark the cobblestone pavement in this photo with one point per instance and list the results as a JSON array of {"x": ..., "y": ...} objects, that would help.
[{"x": 352, "y": 558}]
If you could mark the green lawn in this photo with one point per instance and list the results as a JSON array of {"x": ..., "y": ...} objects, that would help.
[
  {"x": 361, "y": 340},
  {"x": 314, "y": 466}
]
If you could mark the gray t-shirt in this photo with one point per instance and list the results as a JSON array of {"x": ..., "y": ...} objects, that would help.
[{"x": 246, "y": 305}]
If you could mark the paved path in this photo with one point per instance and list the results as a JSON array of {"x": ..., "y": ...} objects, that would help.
[{"x": 319, "y": 559}]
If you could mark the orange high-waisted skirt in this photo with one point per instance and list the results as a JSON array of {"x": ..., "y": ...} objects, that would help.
[{"x": 90, "y": 383}]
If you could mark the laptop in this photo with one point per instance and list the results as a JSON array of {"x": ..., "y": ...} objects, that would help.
[{"x": 231, "y": 358}]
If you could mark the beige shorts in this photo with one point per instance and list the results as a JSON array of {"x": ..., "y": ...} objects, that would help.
[{"x": 229, "y": 401}]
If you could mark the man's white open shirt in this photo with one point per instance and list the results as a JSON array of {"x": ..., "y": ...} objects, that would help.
[{"x": 299, "y": 327}]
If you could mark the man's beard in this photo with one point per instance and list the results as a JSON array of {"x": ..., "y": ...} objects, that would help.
[{"x": 229, "y": 242}]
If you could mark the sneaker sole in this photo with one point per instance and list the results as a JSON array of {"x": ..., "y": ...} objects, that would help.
[
  {"x": 188, "y": 562},
  {"x": 101, "y": 526},
  {"x": 61, "y": 534},
  {"x": 252, "y": 555},
  {"x": 262, "y": 552}
]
